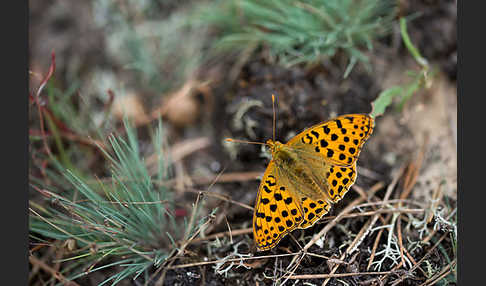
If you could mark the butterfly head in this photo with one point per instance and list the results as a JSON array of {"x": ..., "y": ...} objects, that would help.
[{"x": 274, "y": 146}]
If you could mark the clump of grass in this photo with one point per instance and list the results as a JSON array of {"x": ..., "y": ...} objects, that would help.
[
  {"x": 61, "y": 119},
  {"x": 127, "y": 223},
  {"x": 302, "y": 31}
]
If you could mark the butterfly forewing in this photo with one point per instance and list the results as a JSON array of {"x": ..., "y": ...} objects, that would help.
[{"x": 338, "y": 141}]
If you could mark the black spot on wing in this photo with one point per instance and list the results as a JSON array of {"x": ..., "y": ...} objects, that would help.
[
  {"x": 339, "y": 124},
  {"x": 326, "y": 129}
]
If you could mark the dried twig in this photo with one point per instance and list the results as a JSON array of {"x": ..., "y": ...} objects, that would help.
[
  {"x": 413, "y": 171},
  {"x": 323, "y": 232},
  {"x": 58, "y": 276},
  {"x": 344, "y": 212},
  {"x": 357, "y": 240},
  {"x": 352, "y": 215},
  {"x": 401, "y": 278},
  {"x": 181, "y": 150},
  {"x": 400, "y": 242},
  {"x": 228, "y": 260},
  {"x": 223, "y": 234},
  {"x": 228, "y": 178},
  {"x": 389, "y": 190},
  {"x": 375, "y": 246},
  {"x": 440, "y": 275},
  {"x": 338, "y": 275},
  {"x": 220, "y": 196},
  {"x": 204, "y": 180}
]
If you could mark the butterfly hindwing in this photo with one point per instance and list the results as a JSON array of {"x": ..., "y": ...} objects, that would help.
[
  {"x": 338, "y": 141},
  {"x": 276, "y": 211},
  {"x": 313, "y": 211},
  {"x": 339, "y": 180}
]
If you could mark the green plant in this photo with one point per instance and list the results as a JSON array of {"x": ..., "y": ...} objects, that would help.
[
  {"x": 61, "y": 120},
  {"x": 419, "y": 80},
  {"x": 126, "y": 222},
  {"x": 302, "y": 31}
]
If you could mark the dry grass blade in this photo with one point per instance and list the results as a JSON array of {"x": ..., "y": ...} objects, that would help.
[
  {"x": 292, "y": 269},
  {"x": 350, "y": 207},
  {"x": 413, "y": 170},
  {"x": 443, "y": 273},
  {"x": 378, "y": 203},
  {"x": 389, "y": 190},
  {"x": 229, "y": 178},
  {"x": 229, "y": 230},
  {"x": 330, "y": 225},
  {"x": 221, "y": 197},
  {"x": 186, "y": 241},
  {"x": 375, "y": 246},
  {"x": 228, "y": 260},
  {"x": 370, "y": 173},
  {"x": 58, "y": 276},
  {"x": 436, "y": 198},
  {"x": 86, "y": 141},
  {"x": 223, "y": 234},
  {"x": 401, "y": 278},
  {"x": 433, "y": 232},
  {"x": 41, "y": 109},
  {"x": 377, "y": 212},
  {"x": 188, "y": 238},
  {"x": 58, "y": 228},
  {"x": 357, "y": 240},
  {"x": 338, "y": 275},
  {"x": 410, "y": 180},
  {"x": 181, "y": 150},
  {"x": 362, "y": 234},
  {"x": 204, "y": 180},
  {"x": 400, "y": 240}
]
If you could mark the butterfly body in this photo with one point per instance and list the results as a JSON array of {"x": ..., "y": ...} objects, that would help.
[
  {"x": 291, "y": 163},
  {"x": 306, "y": 175}
]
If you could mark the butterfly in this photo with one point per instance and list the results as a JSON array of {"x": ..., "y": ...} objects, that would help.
[{"x": 307, "y": 175}]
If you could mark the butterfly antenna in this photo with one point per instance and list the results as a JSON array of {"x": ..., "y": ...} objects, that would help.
[
  {"x": 243, "y": 141},
  {"x": 274, "y": 114}
]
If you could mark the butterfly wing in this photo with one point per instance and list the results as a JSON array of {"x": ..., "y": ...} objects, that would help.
[
  {"x": 313, "y": 211},
  {"x": 331, "y": 149},
  {"x": 338, "y": 181},
  {"x": 337, "y": 141},
  {"x": 276, "y": 210}
]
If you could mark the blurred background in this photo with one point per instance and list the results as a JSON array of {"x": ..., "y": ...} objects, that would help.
[{"x": 131, "y": 102}]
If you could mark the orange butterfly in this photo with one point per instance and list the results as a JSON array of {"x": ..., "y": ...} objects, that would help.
[{"x": 306, "y": 175}]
